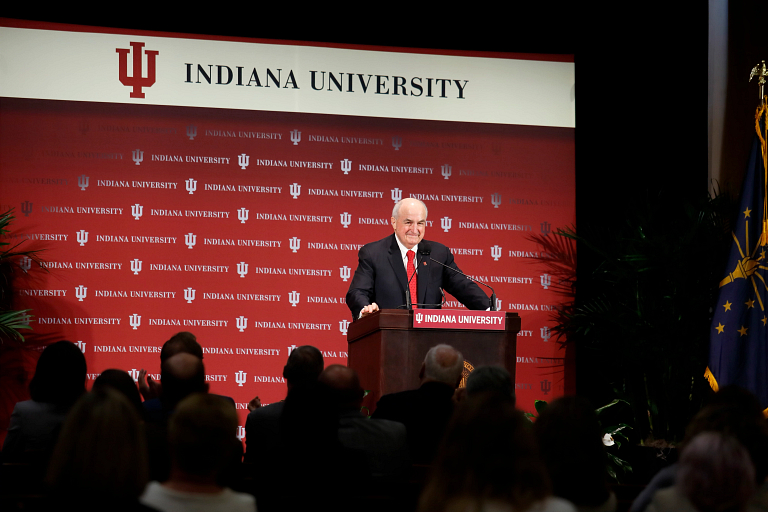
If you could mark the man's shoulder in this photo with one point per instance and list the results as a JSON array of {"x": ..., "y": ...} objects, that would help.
[
  {"x": 378, "y": 244},
  {"x": 399, "y": 398},
  {"x": 436, "y": 247},
  {"x": 270, "y": 411},
  {"x": 372, "y": 424}
]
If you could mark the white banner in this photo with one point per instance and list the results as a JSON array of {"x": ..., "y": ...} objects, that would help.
[{"x": 118, "y": 68}]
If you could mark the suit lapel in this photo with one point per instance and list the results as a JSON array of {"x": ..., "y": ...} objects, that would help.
[{"x": 396, "y": 260}]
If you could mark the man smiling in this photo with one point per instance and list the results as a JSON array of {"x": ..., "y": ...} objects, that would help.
[{"x": 386, "y": 269}]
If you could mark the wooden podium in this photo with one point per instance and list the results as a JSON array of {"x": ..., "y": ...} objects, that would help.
[{"x": 387, "y": 352}]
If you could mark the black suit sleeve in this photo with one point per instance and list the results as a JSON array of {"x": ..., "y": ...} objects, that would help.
[{"x": 361, "y": 289}]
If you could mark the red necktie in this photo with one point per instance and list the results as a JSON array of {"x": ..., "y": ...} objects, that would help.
[{"x": 411, "y": 270}]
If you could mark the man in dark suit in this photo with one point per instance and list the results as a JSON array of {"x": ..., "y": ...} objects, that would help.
[
  {"x": 386, "y": 268},
  {"x": 425, "y": 411},
  {"x": 382, "y": 442},
  {"x": 263, "y": 423}
]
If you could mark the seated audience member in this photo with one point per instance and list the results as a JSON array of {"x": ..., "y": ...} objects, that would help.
[
  {"x": 182, "y": 374},
  {"x": 732, "y": 411},
  {"x": 201, "y": 435},
  {"x": 571, "y": 444},
  {"x": 100, "y": 460},
  {"x": 488, "y": 462},
  {"x": 490, "y": 379},
  {"x": 425, "y": 411},
  {"x": 58, "y": 382},
  {"x": 307, "y": 450},
  {"x": 263, "y": 423},
  {"x": 715, "y": 474},
  {"x": 119, "y": 380},
  {"x": 180, "y": 342},
  {"x": 384, "y": 443}
]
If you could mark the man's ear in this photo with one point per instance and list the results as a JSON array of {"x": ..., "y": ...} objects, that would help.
[{"x": 422, "y": 370}]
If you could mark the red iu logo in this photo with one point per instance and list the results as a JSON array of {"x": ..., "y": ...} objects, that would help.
[{"x": 137, "y": 81}]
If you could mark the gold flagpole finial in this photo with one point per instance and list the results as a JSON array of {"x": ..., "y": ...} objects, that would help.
[{"x": 760, "y": 71}]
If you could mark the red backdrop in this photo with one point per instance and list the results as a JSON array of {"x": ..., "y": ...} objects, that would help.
[{"x": 498, "y": 185}]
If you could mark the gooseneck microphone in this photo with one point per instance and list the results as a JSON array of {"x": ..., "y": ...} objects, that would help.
[{"x": 493, "y": 293}]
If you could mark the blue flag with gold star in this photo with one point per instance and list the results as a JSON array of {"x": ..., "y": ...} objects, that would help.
[{"x": 738, "y": 349}]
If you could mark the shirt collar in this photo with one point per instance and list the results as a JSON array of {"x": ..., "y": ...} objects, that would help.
[{"x": 404, "y": 250}]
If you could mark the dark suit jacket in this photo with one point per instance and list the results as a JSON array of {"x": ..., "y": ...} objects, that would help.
[
  {"x": 381, "y": 278},
  {"x": 425, "y": 412},
  {"x": 384, "y": 443},
  {"x": 262, "y": 427}
]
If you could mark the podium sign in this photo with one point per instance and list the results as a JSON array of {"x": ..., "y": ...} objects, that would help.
[{"x": 459, "y": 319}]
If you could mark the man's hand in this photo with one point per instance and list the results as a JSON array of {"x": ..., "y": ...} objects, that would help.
[
  {"x": 254, "y": 404},
  {"x": 148, "y": 387},
  {"x": 367, "y": 310}
]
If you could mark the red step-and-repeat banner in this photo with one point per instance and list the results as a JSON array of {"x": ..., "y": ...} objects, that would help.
[{"x": 242, "y": 225}]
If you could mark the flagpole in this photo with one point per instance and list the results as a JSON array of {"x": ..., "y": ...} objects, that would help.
[{"x": 761, "y": 72}]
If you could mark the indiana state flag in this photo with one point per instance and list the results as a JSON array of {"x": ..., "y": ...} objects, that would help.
[{"x": 738, "y": 349}]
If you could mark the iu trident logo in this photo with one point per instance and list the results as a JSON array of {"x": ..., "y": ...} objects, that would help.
[
  {"x": 346, "y": 219},
  {"x": 240, "y": 378},
  {"x": 137, "y": 81},
  {"x": 25, "y": 263}
]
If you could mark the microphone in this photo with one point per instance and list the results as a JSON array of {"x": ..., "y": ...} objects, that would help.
[
  {"x": 408, "y": 303},
  {"x": 493, "y": 293}
]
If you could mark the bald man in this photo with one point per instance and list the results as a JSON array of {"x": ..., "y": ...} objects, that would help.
[{"x": 382, "y": 276}]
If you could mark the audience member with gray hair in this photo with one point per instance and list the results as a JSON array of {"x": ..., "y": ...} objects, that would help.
[{"x": 425, "y": 411}]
